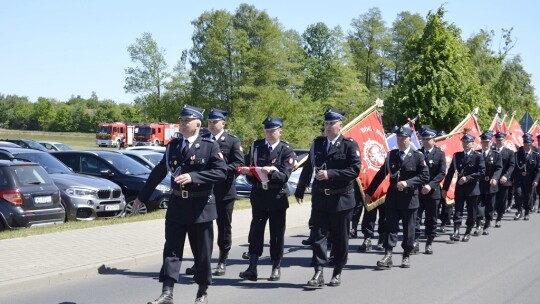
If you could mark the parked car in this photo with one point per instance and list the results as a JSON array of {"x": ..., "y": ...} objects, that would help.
[
  {"x": 84, "y": 197},
  {"x": 8, "y": 144},
  {"x": 55, "y": 146},
  {"x": 148, "y": 148},
  {"x": 28, "y": 196},
  {"x": 27, "y": 144},
  {"x": 147, "y": 158},
  {"x": 121, "y": 169}
]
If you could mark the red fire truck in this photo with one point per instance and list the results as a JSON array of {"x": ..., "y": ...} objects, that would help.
[
  {"x": 110, "y": 134},
  {"x": 154, "y": 134}
]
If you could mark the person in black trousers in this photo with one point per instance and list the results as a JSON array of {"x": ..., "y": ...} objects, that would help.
[
  {"x": 489, "y": 185},
  {"x": 196, "y": 164},
  {"x": 469, "y": 166},
  {"x": 526, "y": 176},
  {"x": 335, "y": 159},
  {"x": 505, "y": 181},
  {"x": 408, "y": 173},
  {"x": 272, "y": 160},
  {"x": 225, "y": 192},
  {"x": 430, "y": 193}
]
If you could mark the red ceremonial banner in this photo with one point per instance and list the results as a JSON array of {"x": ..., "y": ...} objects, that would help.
[
  {"x": 369, "y": 134},
  {"x": 515, "y": 132}
]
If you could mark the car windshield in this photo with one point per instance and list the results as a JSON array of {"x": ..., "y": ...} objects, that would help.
[
  {"x": 62, "y": 147},
  {"x": 125, "y": 164},
  {"x": 50, "y": 163},
  {"x": 144, "y": 131},
  {"x": 154, "y": 158},
  {"x": 35, "y": 145},
  {"x": 104, "y": 129}
]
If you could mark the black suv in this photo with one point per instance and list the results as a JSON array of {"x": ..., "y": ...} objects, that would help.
[
  {"x": 28, "y": 196},
  {"x": 119, "y": 168}
]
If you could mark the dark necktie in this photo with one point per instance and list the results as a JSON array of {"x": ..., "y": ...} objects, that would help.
[
  {"x": 402, "y": 155},
  {"x": 185, "y": 148},
  {"x": 426, "y": 154},
  {"x": 330, "y": 147},
  {"x": 270, "y": 149}
]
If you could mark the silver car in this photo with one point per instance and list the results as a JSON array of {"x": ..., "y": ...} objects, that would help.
[{"x": 84, "y": 197}]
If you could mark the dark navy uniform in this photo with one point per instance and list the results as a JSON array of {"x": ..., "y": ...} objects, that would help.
[
  {"x": 508, "y": 163},
  {"x": 332, "y": 200},
  {"x": 401, "y": 203},
  {"x": 486, "y": 203},
  {"x": 269, "y": 201},
  {"x": 225, "y": 192},
  {"x": 192, "y": 207},
  {"x": 472, "y": 167},
  {"x": 526, "y": 172},
  {"x": 436, "y": 162}
]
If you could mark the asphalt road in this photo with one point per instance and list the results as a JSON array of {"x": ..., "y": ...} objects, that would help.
[{"x": 503, "y": 267}]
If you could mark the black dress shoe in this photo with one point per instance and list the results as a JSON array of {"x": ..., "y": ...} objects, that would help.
[
  {"x": 317, "y": 280},
  {"x": 250, "y": 274},
  {"x": 203, "y": 299},
  {"x": 526, "y": 217},
  {"x": 353, "y": 233},
  {"x": 478, "y": 232},
  {"x": 220, "y": 269},
  {"x": 405, "y": 263},
  {"x": 455, "y": 237},
  {"x": 429, "y": 249},
  {"x": 307, "y": 242},
  {"x": 466, "y": 238},
  {"x": 498, "y": 224},
  {"x": 385, "y": 262},
  {"x": 335, "y": 281},
  {"x": 191, "y": 270},
  {"x": 366, "y": 245},
  {"x": 166, "y": 297},
  {"x": 518, "y": 216},
  {"x": 486, "y": 231},
  {"x": 275, "y": 275},
  {"x": 245, "y": 255}
]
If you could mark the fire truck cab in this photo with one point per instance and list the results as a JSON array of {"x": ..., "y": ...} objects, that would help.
[
  {"x": 110, "y": 134},
  {"x": 154, "y": 134}
]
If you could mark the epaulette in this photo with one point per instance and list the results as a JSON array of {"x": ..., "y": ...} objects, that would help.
[
  {"x": 207, "y": 139},
  {"x": 418, "y": 151},
  {"x": 285, "y": 142},
  {"x": 478, "y": 152},
  {"x": 348, "y": 138},
  {"x": 436, "y": 147},
  {"x": 232, "y": 135}
]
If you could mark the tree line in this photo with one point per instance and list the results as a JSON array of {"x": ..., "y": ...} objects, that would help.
[{"x": 246, "y": 63}]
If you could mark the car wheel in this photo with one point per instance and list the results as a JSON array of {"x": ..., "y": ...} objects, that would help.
[
  {"x": 65, "y": 211},
  {"x": 2, "y": 226},
  {"x": 129, "y": 207}
]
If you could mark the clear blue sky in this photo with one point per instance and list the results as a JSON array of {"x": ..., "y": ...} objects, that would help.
[{"x": 60, "y": 48}]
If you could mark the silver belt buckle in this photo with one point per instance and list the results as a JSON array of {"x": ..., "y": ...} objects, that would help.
[
  {"x": 185, "y": 194},
  {"x": 265, "y": 186},
  {"x": 400, "y": 189},
  {"x": 327, "y": 191}
]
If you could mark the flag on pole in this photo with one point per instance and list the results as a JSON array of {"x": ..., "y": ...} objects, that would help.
[
  {"x": 515, "y": 132},
  {"x": 367, "y": 130},
  {"x": 535, "y": 128}
]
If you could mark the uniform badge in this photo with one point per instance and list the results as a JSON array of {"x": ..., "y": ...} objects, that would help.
[
  {"x": 197, "y": 146},
  {"x": 192, "y": 158},
  {"x": 357, "y": 153},
  {"x": 241, "y": 150},
  {"x": 220, "y": 155},
  {"x": 175, "y": 162}
]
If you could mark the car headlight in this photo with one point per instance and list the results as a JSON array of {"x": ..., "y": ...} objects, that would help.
[
  {"x": 163, "y": 188},
  {"x": 81, "y": 192}
]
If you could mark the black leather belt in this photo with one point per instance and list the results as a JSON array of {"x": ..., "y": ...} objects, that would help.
[
  {"x": 188, "y": 194},
  {"x": 268, "y": 186},
  {"x": 335, "y": 191},
  {"x": 487, "y": 178}
]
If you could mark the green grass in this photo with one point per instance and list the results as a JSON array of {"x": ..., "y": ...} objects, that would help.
[{"x": 79, "y": 141}]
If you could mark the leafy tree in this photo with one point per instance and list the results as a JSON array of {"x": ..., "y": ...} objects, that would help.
[
  {"x": 368, "y": 41},
  {"x": 513, "y": 90},
  {"x": 148, "y": 78},
  {"x": 440, "y": 81},
  {"x": 45, "y": 113},
  {"x": 405, "y": 27}
]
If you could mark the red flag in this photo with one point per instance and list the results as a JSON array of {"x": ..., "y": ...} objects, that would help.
[
  {"x": 369, "y": 134},
  {"x": 515, "y": 132}
]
